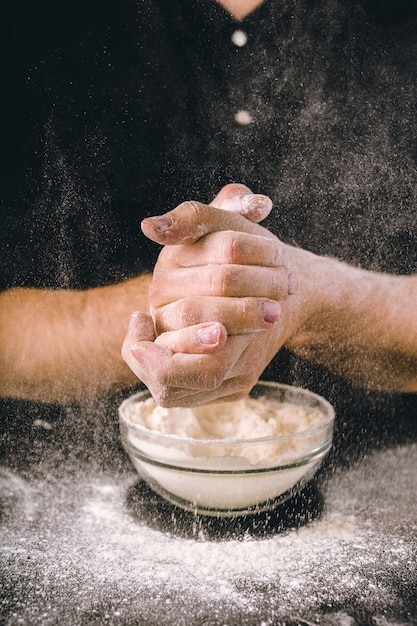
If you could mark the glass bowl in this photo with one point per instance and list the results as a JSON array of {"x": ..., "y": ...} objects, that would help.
[{"x": 229, "y": 476}]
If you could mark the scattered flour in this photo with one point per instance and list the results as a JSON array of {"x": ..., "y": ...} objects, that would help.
[{"x": 94, "y": 550}]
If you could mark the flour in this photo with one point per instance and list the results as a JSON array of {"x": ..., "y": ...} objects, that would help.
[
  {"x": 260, "y": 431},
  {"x": 248, "y": 418},
  {"x": 226, "y": 457},
  {"x": 116, "y": 557}
]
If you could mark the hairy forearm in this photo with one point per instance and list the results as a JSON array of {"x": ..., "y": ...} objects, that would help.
[
  {"x": 361, "y": 325},
  {"x": 64, "y": 346}
]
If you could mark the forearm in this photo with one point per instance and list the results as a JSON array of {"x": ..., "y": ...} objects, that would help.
[
  {"x": 62, "y": 346},
  {"x": 361, "y": 325}
]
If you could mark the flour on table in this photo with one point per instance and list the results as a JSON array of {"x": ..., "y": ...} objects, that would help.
[{"x": 95, "y": 562}]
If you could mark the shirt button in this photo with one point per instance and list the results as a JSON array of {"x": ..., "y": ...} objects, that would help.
[
  {"x": 243, "y": 117},
  {"x": 239, "y": 38}
]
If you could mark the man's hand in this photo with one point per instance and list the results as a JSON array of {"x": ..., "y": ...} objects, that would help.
[{"x": 214, "y": 301}]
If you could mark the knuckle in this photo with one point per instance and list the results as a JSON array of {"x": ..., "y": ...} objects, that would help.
[
  {"x": 175, "y": 316},
  {"x": 190, "y": 221},
  {"x": 246, "y": 315},
  {"x": 195, "y": 210},
  {"x": 231, "y": 250},
  {"x": 246, "y": 308},
  {"x": 222, "y": 280},
  {"x": 275, "y": 252},
  {"x": 279, "y": 284}
]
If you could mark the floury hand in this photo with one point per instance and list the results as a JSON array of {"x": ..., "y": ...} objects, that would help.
[{"x": 213, "y": 299}]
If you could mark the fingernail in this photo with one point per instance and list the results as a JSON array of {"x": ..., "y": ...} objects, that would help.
[
  {"x": 292, "y": 284},
  {"x": 160, "y": 223},
  {"x": 209, "y": 335},
  {"x": 138, "y": 356},
  {"x": 256, "y": 206},
  {"x": 271, "y": 311},
  {"x": 257, "y": 200}
]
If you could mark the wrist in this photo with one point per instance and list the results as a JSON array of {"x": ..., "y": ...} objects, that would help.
[{"x": 323, "y": 285}]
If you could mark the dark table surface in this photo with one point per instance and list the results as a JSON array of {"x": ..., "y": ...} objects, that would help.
[{"x": 84, "y": 541}]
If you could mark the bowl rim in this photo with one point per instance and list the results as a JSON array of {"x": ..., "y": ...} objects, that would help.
[{"x": 230, "y": 441}]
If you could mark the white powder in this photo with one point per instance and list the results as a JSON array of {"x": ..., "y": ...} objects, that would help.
[
  {"x": 101, "y": 552},
  {"x": 248, "y": 418},
  {"x": 288, "y": 460}
]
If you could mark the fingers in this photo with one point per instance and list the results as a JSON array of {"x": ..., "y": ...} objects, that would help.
[
  {"x": 171, "y": 376},
  {"x": 226, "y": 248},
  {"x": 235, "y": 281},
  {"x": 159, "y": 367},
  {"x": 238, "y": 198},
  {"x": 192, "y": 220},
  {"x": 178, "y": 379},
  {"x": 198, "y": 339},
  {"x": 141, "y": 328},
  {"x": 233, "y": 273},
  {"x": 198, "y": 364},
  {"x": 230, "y": 390},
  {"x": 238, "y": 315}
]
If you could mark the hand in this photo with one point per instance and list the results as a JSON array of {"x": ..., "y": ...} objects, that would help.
[{"x": 234, "y": 271}]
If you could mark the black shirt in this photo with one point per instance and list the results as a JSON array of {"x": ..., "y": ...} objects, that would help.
[{"x": 113, "y": 111}]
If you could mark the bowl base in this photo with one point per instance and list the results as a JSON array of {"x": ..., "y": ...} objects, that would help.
[
  {"x": 198, "y": 509},
  {"x": 149, "y": 508}
]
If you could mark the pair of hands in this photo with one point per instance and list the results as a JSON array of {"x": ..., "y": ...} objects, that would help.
[{"x": 215, "y": 301}]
